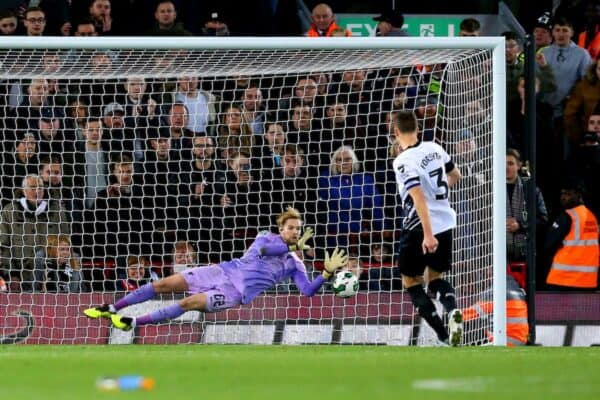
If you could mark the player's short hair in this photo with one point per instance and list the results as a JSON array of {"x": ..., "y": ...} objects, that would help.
[
  {"x": 470, "y": 25},
  {"x": 289, "y": 213},
  {"x": 405, "y": 121}
]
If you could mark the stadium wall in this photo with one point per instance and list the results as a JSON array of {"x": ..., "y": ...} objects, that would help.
[{"x": 282, "y": 319}]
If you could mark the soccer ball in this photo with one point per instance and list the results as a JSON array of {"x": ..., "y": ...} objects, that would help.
[{"x": 345, "y": 284}]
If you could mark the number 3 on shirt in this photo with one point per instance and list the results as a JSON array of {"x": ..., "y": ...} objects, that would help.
[{"x": 441, "y": 184}]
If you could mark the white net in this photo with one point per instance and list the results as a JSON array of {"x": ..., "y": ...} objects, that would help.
[{"x": 152, "y": 161}]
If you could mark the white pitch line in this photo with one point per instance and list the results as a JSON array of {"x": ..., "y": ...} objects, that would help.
[{"x": 475, "y": 384}]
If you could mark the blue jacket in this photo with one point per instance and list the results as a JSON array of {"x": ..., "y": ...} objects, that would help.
[{"x": 351, "y": 200}]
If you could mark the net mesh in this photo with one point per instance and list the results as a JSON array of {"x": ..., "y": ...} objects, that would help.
[{"x": 124, "y": 166}]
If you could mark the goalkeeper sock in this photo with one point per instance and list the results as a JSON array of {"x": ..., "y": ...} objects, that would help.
[
  {"x": 445, "y": 293},
  {"x": 139, "y": 295},
  {"x": 168, "y": 312},
  {"x": 426, "y": 309}
]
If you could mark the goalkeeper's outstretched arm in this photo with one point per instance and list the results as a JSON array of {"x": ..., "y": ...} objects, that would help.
[{"x": 337, "y": 260}]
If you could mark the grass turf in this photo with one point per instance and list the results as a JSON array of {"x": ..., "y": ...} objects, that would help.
[{"x": 302, "y": 372}]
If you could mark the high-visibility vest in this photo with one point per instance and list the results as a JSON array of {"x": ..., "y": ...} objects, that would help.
[
  {"x": 314, "y": 32},
  {"x": 576, "y": 263},
  {"x": 517, "y": 326},
  {"x": 594, "y": 47}
]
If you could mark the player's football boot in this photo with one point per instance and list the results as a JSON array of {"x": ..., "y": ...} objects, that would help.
[
  {"x": 102, "y": 311},
  {"x": 455, "y": 326},
  {"x": 121, "y": 322}
]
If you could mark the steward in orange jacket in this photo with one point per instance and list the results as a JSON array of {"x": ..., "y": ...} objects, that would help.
[
  {"x": 573, "y": 239},
  {"x": 323, "y": 23},
  {"x": 517, "y": 327}
]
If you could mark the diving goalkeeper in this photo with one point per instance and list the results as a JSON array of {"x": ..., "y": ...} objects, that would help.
[{"x": 270, "y": 260}]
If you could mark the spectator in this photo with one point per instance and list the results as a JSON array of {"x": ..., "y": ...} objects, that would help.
[
  {"x": 516, "y": 213},
  {"x": 35, "y": 21},
  {"x": 386, "y": 181},
  {"x": 181, "y": 137},
  {"x": 252, "y": 110},
  {"x": 24, "y": 226},
  {"x": 57, "y": 267},
  {"x": 294, "y": 186},
  {"x": 323, "y": 22},
  {"x": 567, "y": 61},
  {"x": 241, "y": 207},
  {"x": 86, "y": 27},
  {"x": 51, "y": 172},
  {"x": 198, "y": 196},
  {"x": 426, "y": 110},
  {"x": 184, "y": 256},
  {"x": 234, "y": 134},
  {"x": 138, "y": 273},
  {"x": 469, "y": 27},
  {"x": 200, "y": 104},
  {"x": 50, "y": 133},
  {"x": 161, "y": 187},
  {"x": 90, "y": 163},
  {"x": 215, "y": 25},
  {"x": 120, "y": 223},
  {"x": 354, "y": 203},
  {"x": 97, "y": 92},
  {"x": 8, "y": 22},
  {"x": 339, "y": 129},
  {"x": 166, "y": 24},
  {"x": 141, "y": 109},
  {"x": 382, "y": 273},
  {"x": 28, "y": 110},
  {"x": 585, "y": 162},
  {"x": 18, "y": 163},
  {"x": 582, "y": 101},
  {"x": 390, "y": 23},
  {"x": 548, "y": 145},
  {"x": 120, "y": 138},
  {"x": 542, "y": 31},
  {"x": 573, "y": 243},
  {"x": 305, "y": 93},
  {"x": 100, "y": 13},
  {"x": 272, "y": 150},
  {"x": 515, "y": 69}
]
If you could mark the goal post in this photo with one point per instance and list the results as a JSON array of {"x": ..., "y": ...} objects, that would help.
[{"x": 462, "y": 78}]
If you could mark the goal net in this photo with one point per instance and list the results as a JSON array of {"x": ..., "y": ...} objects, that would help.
[{"x": 127, "y": 161}]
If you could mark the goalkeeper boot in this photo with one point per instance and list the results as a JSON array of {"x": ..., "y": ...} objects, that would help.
[
  {"x": 122, "y": 323},
  {"x": 102, "y": 311},
  {"x": 455, "y": 326}
]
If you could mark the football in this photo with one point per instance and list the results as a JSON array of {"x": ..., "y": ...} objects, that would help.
[{"x": 345, "y": 284}]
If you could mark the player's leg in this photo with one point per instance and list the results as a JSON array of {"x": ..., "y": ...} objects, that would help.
[
  {"x": 171, "y": 284},
  {"x": 424, "y": 306},
  {"x": 412, "y": 265},
  {"x": 439, "y": 263},
  {"x": 172, "y": 311},
  {"x": 212, "y": 292}
]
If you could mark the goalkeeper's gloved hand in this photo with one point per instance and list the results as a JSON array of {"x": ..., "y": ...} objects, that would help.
[
  {"x": 301, "y": 244},
  {"x": 337, "y": 260}
]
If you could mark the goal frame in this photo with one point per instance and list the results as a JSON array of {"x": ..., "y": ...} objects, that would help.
[{"x": 495, "y": 44}]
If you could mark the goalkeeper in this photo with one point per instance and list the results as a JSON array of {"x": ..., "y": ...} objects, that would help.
[{"x": 270, "y": 260}]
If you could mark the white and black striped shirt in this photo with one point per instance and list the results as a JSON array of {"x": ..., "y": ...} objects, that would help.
[{"x": 425, "y": 164}]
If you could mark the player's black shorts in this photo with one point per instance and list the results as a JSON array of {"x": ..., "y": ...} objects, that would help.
[{"x": 412, "y": 261}]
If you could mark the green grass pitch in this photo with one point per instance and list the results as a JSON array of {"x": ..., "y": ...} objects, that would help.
[{"x": 303, "y": 372}]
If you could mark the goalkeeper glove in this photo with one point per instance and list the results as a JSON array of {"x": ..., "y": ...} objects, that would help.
[
  {"x": 301, "y": 244},
  {"x": 337, "y": 260}
]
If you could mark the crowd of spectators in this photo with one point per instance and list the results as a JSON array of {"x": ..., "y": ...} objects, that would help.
[{"x": 110, "y": 182}]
